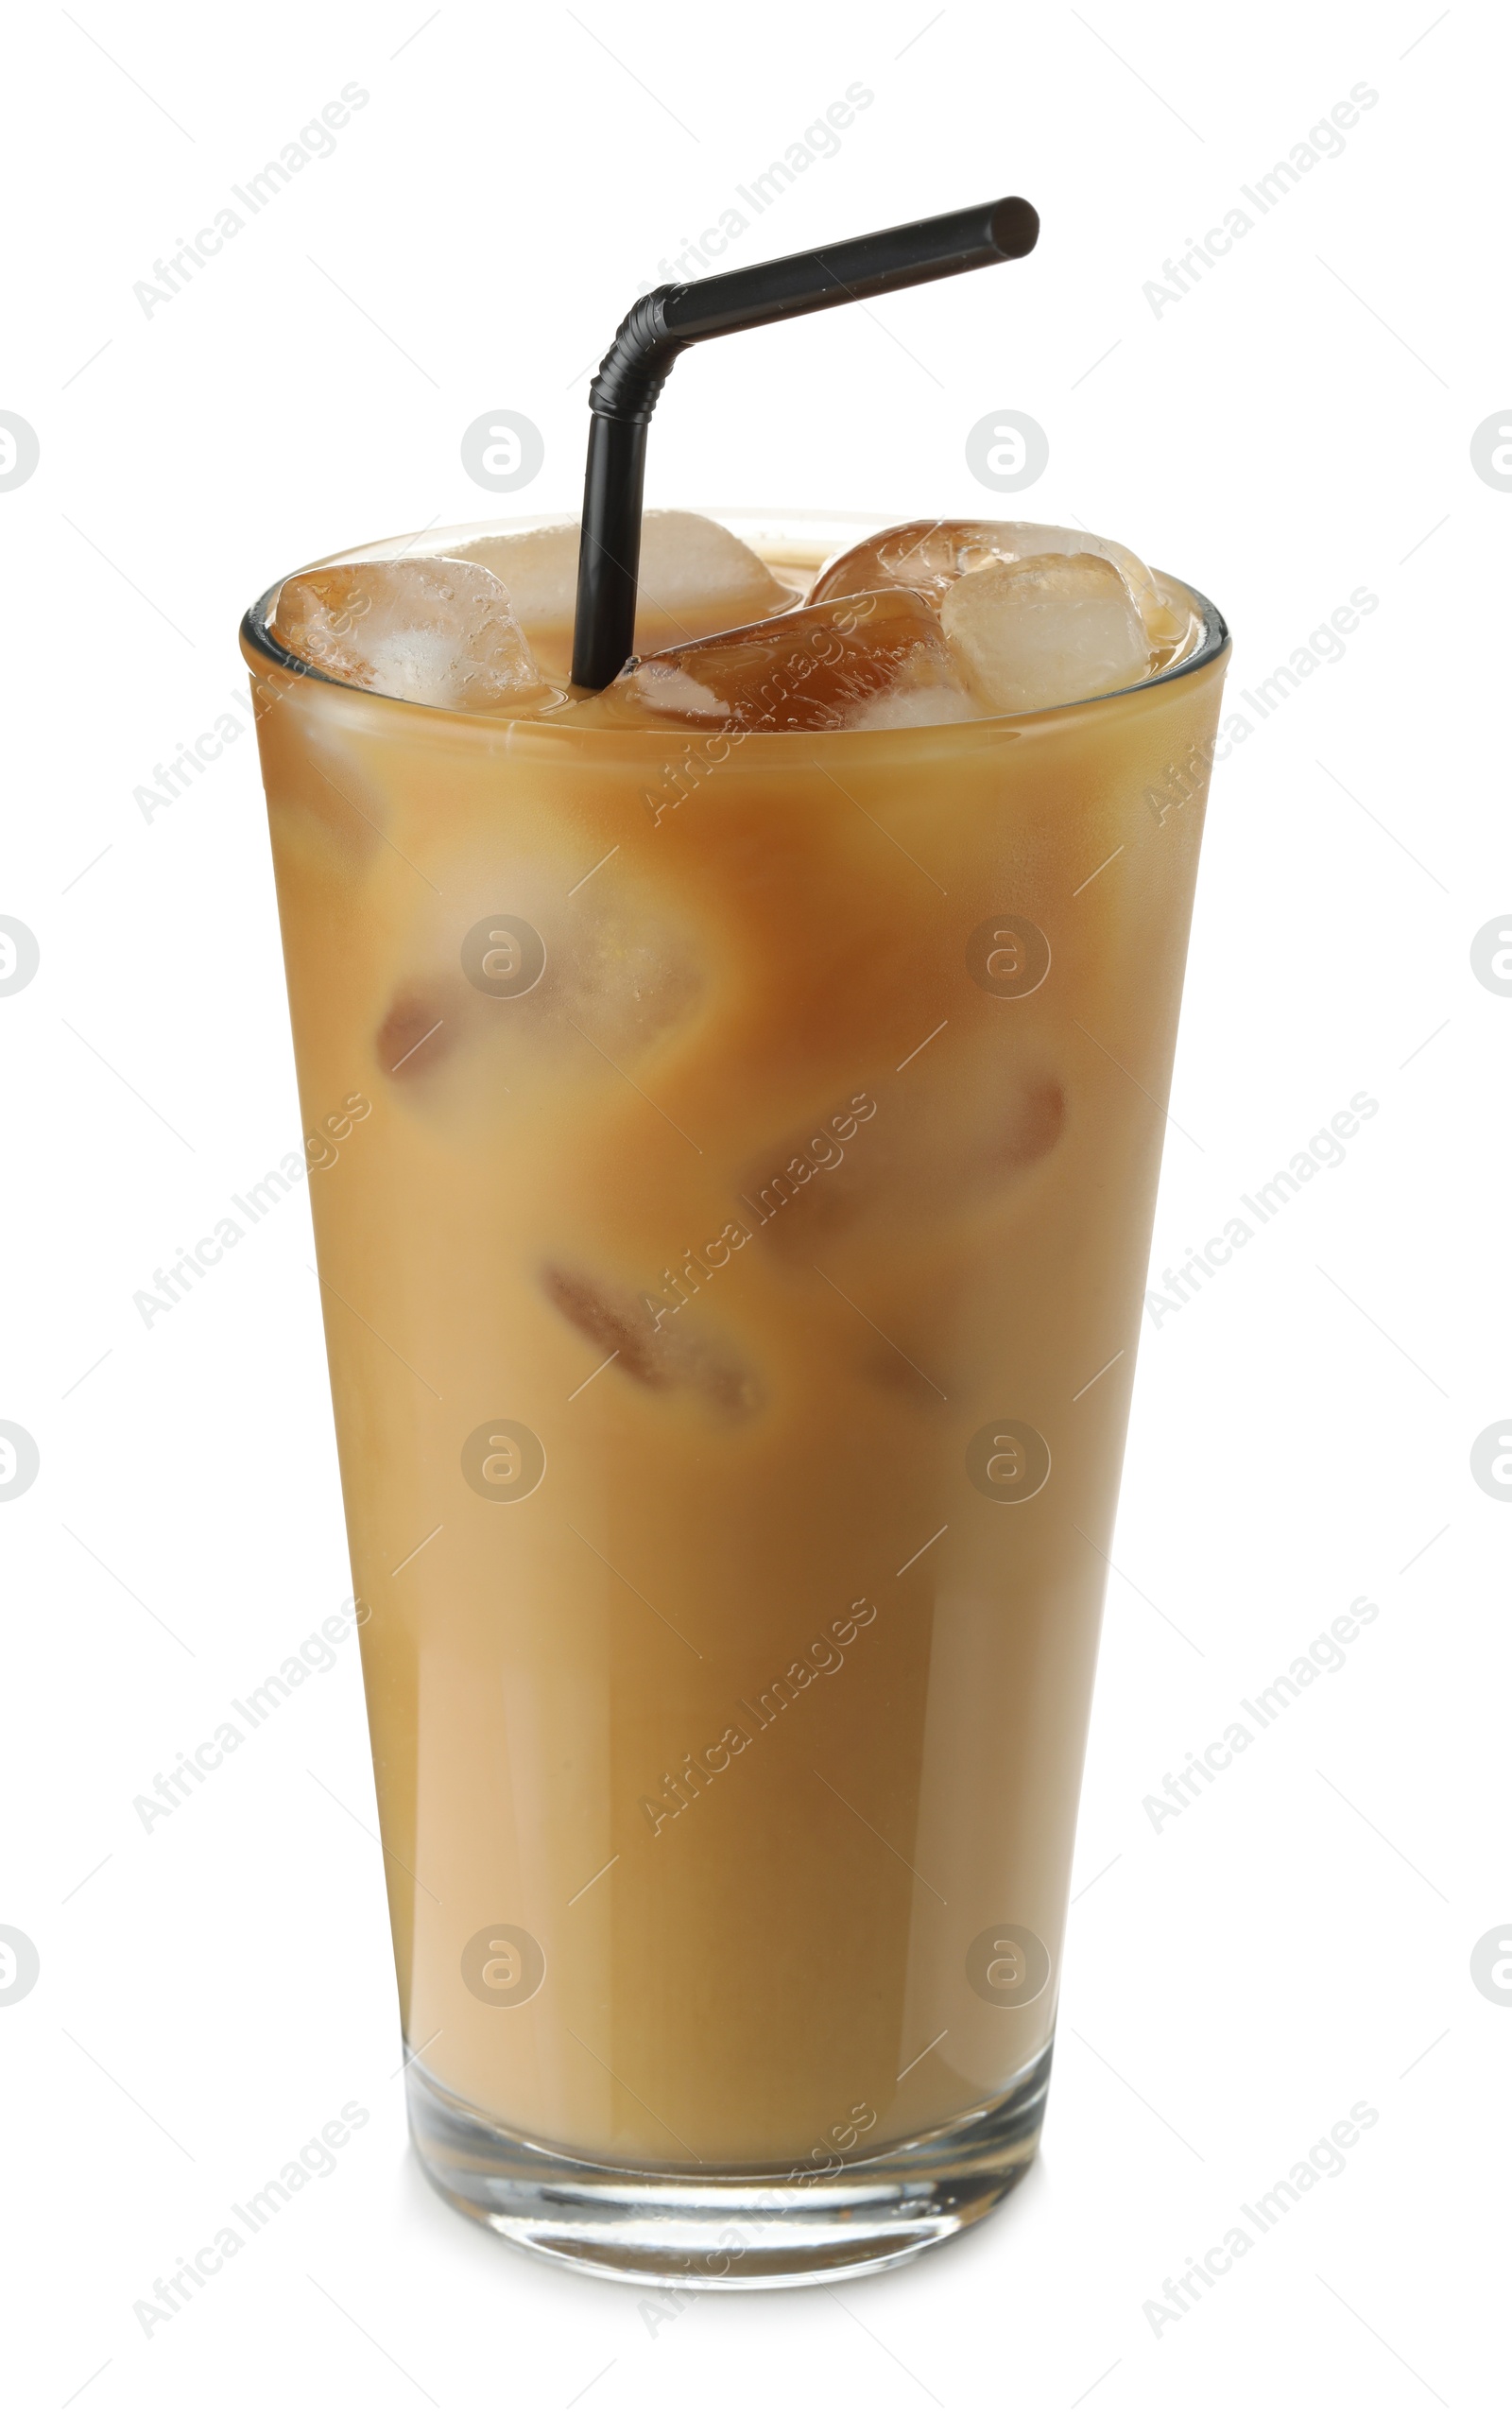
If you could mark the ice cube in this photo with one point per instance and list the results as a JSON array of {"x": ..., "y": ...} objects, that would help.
[
  {"x": 538, "y": 569},
  {"x": 909, "y": 708},
  {"x": 895, "y": 1174},
  {"x": 916, "y": 554},
  {"x": 417, "y": 1032},
  {"x": 695, "y": 577},
  {"x": 932, "y": 554},
  {"x": 1044, "y": 632},
  {"x": 859, "y": 663},
  {"x": 507, "y": 982},
  {"x": 425, "y": 629},
  {"x": 651, "y": 1341}
]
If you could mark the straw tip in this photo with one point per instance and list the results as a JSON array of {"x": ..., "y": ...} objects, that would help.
[{"x": 1015, "y": 227}]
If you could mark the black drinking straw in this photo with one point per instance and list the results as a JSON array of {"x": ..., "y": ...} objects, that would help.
[{"x": 664, "y": 322}]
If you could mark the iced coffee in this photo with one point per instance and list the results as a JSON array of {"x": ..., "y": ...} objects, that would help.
[{"x": 731, "y": 1303}]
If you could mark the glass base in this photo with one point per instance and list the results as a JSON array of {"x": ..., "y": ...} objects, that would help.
[{"x": 749, "y": 2228}]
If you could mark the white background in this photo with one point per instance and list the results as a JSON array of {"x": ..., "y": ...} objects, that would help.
[{"x": 1295, "y": 427}]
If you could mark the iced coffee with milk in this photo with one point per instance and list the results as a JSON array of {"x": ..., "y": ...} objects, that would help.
[{"x": 732, "y": 1304}]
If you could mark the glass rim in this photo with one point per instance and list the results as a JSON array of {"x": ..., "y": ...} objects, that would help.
[{"x": 257, "y": 641}]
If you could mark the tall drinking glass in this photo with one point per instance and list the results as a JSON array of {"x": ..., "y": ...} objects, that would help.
[{"x": 731, "y": 1295}]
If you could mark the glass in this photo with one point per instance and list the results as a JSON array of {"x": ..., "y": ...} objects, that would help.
[{"x": 732, "y": 1174}]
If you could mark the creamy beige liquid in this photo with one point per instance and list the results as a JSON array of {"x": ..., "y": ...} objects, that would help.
[{"x": 756, "y": 1720}]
